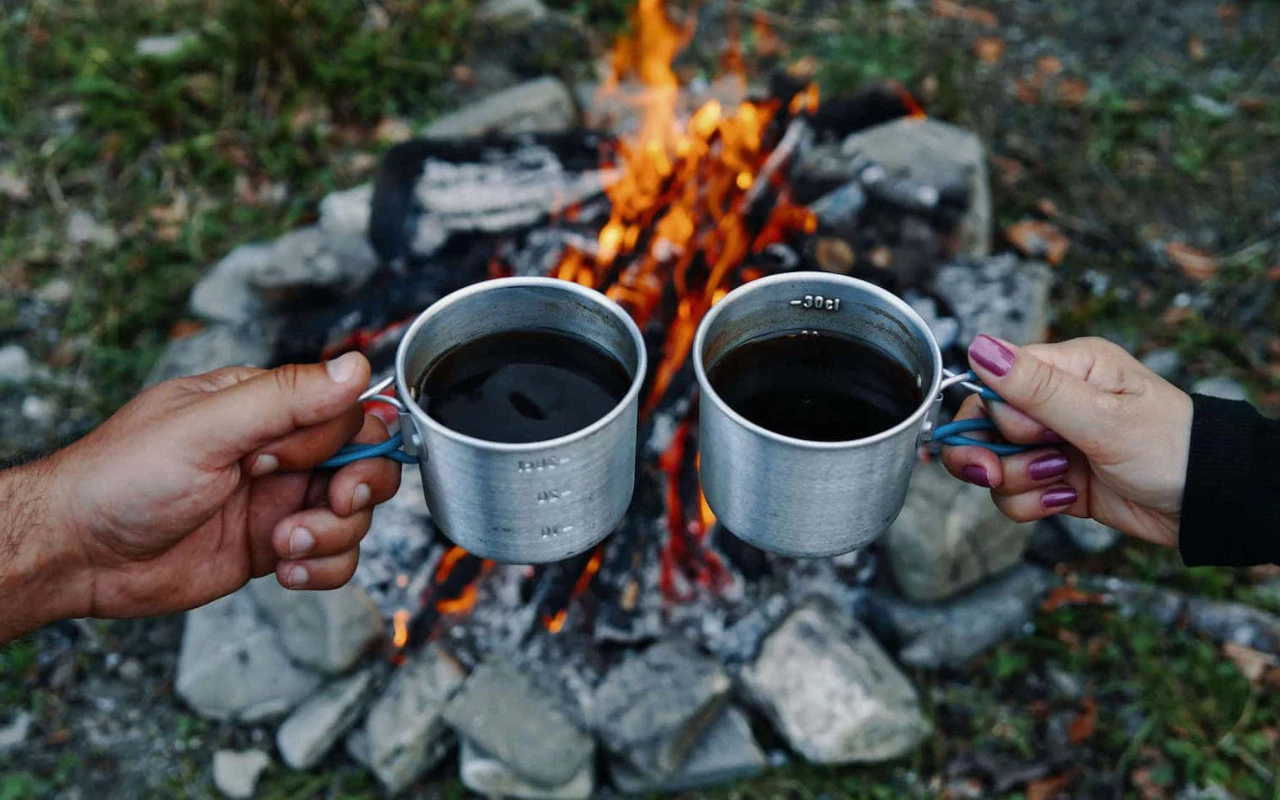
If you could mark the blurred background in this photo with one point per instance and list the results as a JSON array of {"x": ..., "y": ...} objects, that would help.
[{"x": 1132, "y": 145}]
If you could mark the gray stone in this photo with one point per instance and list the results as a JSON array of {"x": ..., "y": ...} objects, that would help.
[
  {"x": 236, "y": 773},
  {"x": 1001, "y": 296},
  {"x": 505, "y": 11},
  {"x": 328, "y": 631},
  {"x": 39, "y": 410},
  {"x": 1235, "y": 622},
  {"x": 937, "y": 154},
  {"x": 347, "y": 211},
  {"x": 726, "y": 753},
  {"x": 652, "y": 708},
  {"x": 1089, "y": 535},
  {"x": 57, "y": 292},
  {"x": 1165, "y": 363},
  {"x": 543, "y": 105},
  {"x": 310, "y": 732},
  {"x": 165, "y": 46},
  {"x": 949, "y": 537},
  {"x": 1213, "y": 108},
  {"x": 82, "y": 229},
  {"x": 406, "y": 731},
  {"x": 232, "y": 666},
  {"x": 14, "y": 734},
  {"x": 949, "y": 635},
  {"x": 314, "y": 259},
  {"x": 1221, "y": 387},
  {"x": 210, "y": 349},
  {"x": 832, "y": 693},
  {"x": 224, "y": 293},
  {"x": 491, "y": 777},
  {"x": 15, "y": 364},
  {"x": 502, "y": 712}
]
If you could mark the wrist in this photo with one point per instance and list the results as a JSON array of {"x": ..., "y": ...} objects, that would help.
[{"x": 43, "y": 574}]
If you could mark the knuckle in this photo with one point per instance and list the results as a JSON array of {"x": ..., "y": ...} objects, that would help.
[
  {"x": 288, "y": 378},
  {"x": 1043, "y": 383}
]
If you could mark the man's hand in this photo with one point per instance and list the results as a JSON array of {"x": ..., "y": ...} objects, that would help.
[{"x": 201, "y": 483}]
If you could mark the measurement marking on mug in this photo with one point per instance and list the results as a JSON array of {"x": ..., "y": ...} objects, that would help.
[
  {"x": 541, "y": 464},
  {"x": 818, "y": 303},
  {"x": 553, "y": 496},
  {"x": 551, "y": 531}
]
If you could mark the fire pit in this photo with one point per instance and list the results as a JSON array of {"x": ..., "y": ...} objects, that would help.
[{"x": 668, "y": 656}]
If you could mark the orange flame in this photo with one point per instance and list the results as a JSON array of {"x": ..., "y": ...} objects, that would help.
[
  {"x": 460, "y": 604},
  {"x": 555, "y": 623}
]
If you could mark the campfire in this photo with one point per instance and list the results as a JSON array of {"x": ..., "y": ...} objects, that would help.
[{"x": 667, "y": 201}]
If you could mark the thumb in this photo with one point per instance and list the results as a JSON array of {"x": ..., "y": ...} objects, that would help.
[
  {"x": 1056, "y": 398},
  {"x": 247, "y": 415}
]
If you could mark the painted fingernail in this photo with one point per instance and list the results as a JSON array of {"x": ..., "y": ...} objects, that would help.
[
  {"x": 361, "y": 497},
  {"x": 991, "y": 355},
  {"x": 1051, "y": 437},
  {"x": 297, "y": 577},
  {"x": 1050, "y": 466},
  {"x": 300, "y": 542},
  {"x": 1057, "y": 498},
  {"x": 342, "y": 368},
  {"x": 976, "y": 475},
  {"x": 263, "y": 465}
]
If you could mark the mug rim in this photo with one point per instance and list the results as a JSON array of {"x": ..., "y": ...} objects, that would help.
[
  {"x": 899, "y": 305},
  {"x": 497, "y": 284}
]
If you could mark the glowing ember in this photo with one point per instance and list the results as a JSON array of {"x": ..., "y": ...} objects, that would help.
[
  {"x": 555, "y": 623},
  {"x": 402, "y": 580},
  {"x": 460, "y": 604},
  {"x": 400, "y": 623}
]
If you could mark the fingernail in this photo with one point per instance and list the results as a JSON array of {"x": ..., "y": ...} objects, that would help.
[
  {"x": 1057, "y": 498},
  {"x": 1052, "y": 437},
  {"x": 300, "y": 543},
  {"x": 264, "y": 464},
  {"x": 1050, "y": 466},
  {"x": 296, "y": 577},
  {"x": 991, "y": 355},
  {"x": 361, "y": 497},
  {"x": 976, "y": 475},
  {"x": 342, "y": 368}
]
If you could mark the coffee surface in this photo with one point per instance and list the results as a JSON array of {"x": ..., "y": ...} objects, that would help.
[
  {"x": 522, "y": 386},
  {"x": 819, "y": 386}
]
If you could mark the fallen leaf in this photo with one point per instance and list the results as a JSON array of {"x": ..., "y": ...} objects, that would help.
[
  {"x": 1253, "y": 665},
  {"x": 1176, "y": 315},
  {"x": 1068, "y": 637},
  {"x": 60, "y": 736},
  {"x": 1072, "y": 92},
  {"x": 1251, "y": 105},
  {"x": 1068, "y": 595},
  {"x": 1011, "y": 170},
  {"x": 1195, "y": 47},
  {"x": 1273, "y": 274},
  {"x": 1194, "y": 262},
  {"x": 392, "y": 131},
  {"x": 1039, "y": 239},
  {"x": 989, "y": 49},
  {"x": 1026, "y": 92},
  {"x": 1048, "y": 788},
  {"x": 1047, "y": 207},
  {"x": 1085, "y": 723},
  {"x": 184, "y": 328},
  {"x": 1049, "y": 65},
  {"x": 950, "y": 9},
  {"x": 464, "y": 75},
  {"x": 1146, "y": 784}
]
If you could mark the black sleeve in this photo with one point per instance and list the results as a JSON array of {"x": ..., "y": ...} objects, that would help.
[{"x": 1231, "y": 503}]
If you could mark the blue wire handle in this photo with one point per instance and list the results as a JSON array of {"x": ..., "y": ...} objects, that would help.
[
  {"x": 951, "y": 434},
  {"x": 351, "y": 453}
]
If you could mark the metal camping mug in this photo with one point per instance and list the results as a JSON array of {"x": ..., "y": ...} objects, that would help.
[
  {"x": 521, "y": 503},
  {"x": 808, "y": 498}
]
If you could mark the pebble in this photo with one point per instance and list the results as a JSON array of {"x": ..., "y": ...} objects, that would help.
[
  {"x": 1221, "y": 387},
  {"x": 15, "y": 364},
  {"x": 82, "y": 228},
  {"x": 164, "y": 46},
  {"x": 236, "y": 773},
  {"x": 15, "y": 733},
  {"x": 131, "y": 669},
  {"x": 40, "y": 410}
]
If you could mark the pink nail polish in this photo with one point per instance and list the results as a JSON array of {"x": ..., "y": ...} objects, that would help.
[
  {"x": 1058, "y": 498},
  {"x": 1045, "y": 467},
  {"x": 976, "y": 475},
  {"x": 991, "y": 355}
]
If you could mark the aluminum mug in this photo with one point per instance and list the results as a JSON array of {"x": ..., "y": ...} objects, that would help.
[
  {"x": 807, "y": 498},
  {"x": 527, "y": 503}
]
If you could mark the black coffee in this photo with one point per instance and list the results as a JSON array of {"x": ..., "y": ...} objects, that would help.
[
  {"x": 824, "y": 387},
  {"x": 522, "y": 386}
]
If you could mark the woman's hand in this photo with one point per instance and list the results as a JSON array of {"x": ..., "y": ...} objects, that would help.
[{"x": 1114, "y": 436}]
